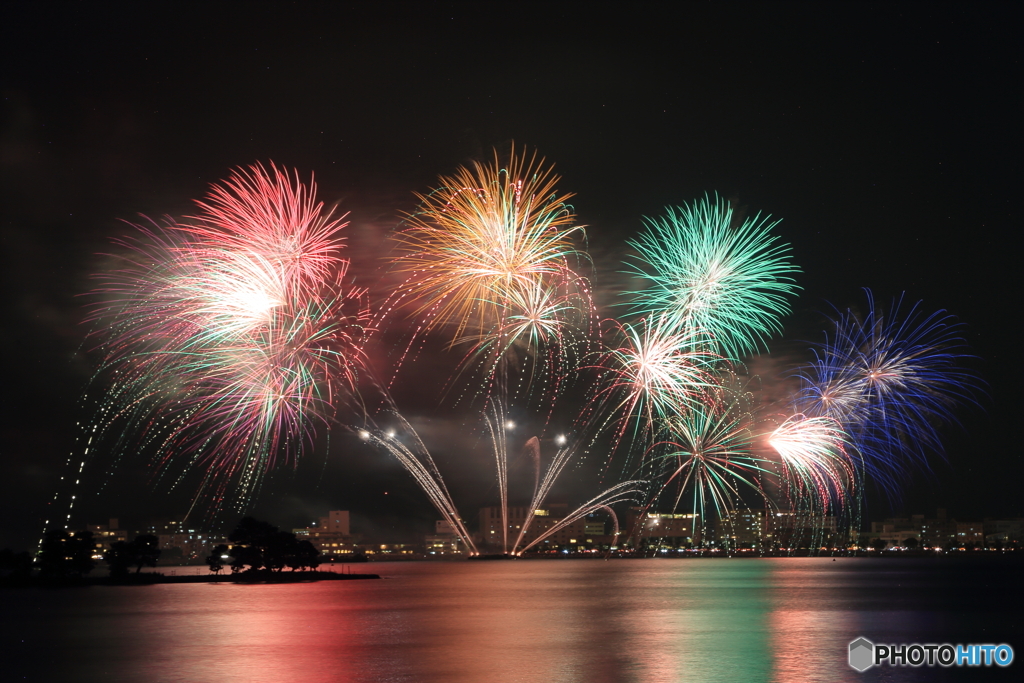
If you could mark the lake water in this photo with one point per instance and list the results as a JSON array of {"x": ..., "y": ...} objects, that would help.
[{"x": 585, "y": 621}]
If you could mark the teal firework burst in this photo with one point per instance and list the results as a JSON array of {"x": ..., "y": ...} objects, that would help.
[{"x": 726, "y": 279}]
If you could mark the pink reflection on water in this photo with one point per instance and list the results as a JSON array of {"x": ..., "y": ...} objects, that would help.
[
  {"x": 251, "y": 633},
  {"x": 809, "y": 633}
]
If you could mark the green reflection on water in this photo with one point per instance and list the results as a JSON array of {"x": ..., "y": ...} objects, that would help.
[{"x": 708, "y": 620}]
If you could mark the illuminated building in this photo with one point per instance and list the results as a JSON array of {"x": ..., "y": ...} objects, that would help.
[
  {"x": 331, "y": 535},
  {"x": 746, "y": 529},
  {"x": 444, "y": 540},
  {"x": 104, "y": 535},
  {"x": 576, "y": 536},
  {"x": 666, "y": 530}
]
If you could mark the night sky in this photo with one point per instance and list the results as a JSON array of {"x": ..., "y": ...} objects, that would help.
[{"x": 886, "y": 137}]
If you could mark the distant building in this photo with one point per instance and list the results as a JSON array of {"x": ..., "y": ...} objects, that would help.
[
  {"x": 442, "y": 545},
  {"x": 746, "y": 529},
  {"x": 337, "y": 522},
  {"x": 672, "y": 530},
  {"x": 933, "y": 532},
  {"x": 807, "y": 529},
  {"x": 443, "y": 527},
  {"x": 394, "y": 551},
  {"x": 970, "y": 533},
  {"x": 105, "y": 534},
  {"x": 444, "y": 540},
  {"x": 179, "y": 539},
  {"x": 544, "y": 525},
  {"x": 331, "y": 535},
  {"x": 940, "y": 531},
  {"x": 1004, "y": 531}
]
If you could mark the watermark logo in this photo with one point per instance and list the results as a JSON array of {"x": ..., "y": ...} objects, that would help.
[{"x": 864, "y": 654}]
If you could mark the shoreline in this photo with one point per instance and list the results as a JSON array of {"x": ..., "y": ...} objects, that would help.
[{"x": 154, "y": 578}]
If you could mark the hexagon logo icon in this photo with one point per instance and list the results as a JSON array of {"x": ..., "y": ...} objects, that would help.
[{"x": 862, "y": 654}]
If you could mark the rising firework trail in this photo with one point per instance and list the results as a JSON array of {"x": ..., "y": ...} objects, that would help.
[
  {"x": 623, "y": 491},
  {"x": 626, "y": 491},
  {"x": 412, "y": 453},
  {"x": 420, "y": 464}
]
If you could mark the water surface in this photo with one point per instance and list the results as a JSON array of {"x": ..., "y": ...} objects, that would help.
[{"x": 585, "y": 621}]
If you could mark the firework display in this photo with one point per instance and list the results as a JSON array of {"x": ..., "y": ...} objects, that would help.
[
  {"x": 891, "y": 378},
  {"x": 230, "y": 338},
  {"x": 227, "y": 338},
  {"x": 714, "y": 275},
  {"x": 708, "y": 456},
  {"x": 813, "y": 451},
  {"x": 655, "y": 373},
  {"x": 490, "y": 258}
]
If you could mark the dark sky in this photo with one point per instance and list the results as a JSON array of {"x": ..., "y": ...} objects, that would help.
[{"x": 887, "y": 137}]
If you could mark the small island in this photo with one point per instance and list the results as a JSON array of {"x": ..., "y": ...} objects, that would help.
[{"x": 259, "y": 553}]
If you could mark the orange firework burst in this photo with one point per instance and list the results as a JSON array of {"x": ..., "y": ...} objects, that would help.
[{"x": 488, "y": 237}]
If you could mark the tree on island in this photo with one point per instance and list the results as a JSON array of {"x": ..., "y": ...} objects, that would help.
[
  {"x": 910, "y": 543},
  {"x": 215, "y": 560},
  {"x": 878, "y": 544},
  {"x": 144, "y": 551},
  {"x": 64, "y": 555},
  {"x": 147, "y": 551},
  {"x": 243, "y": 556},
  {"x": 305, "y": 556},
  {"x": 119, "y": 558},
  {"x": 257, "y": 544}
]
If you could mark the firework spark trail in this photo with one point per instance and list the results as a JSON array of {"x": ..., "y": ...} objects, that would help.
[
  {"x": 420, "y": 464},
  {"x": 228, "y": 339},
  {"x": 276, "y": 219},
  {"x": 562, "y": 458},
  {"x": 496, "y": 427},
  {"x": 543, "y": 487},
  {"x": 710, "y": 276},
  {"x": 815, "y": 462},
  {"x": 620, "y": 493},
  {"x": 891, "y": 379},
  {"x": 547, "y": 322}
]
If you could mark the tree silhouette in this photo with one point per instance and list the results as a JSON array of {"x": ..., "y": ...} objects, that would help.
[
  {"x": 215, "y": 559},
  {"x": 119, "y": 558},
  {"x": 243, "y": 556},
  {"x": 251, "y": 531},
  {"x": 147, "y": 551},
  {"x": 258, "y": 544},
  {"x": 144, "y": 551},
  {"x": 306, "y": 556},
  {"x": 65, "y": 555}
]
